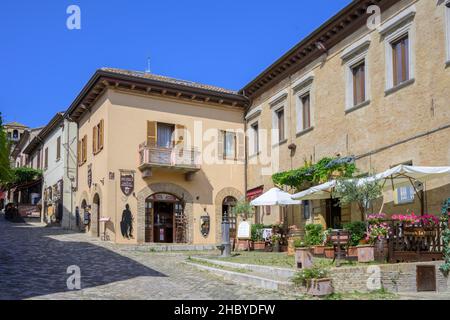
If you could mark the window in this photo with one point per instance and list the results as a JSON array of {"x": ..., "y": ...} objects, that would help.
[
  {"x": 255, "y": 138},
  {"x": 306, "y": 111},
  {"x": 164, "y": 136},
  {"x": 307, "y": 209},
  {"x": 229, "y": 144},
  {"x": 359, "y": 83},
  {"x": 400, "y": 60},
  {"x": 58, "y": 148},
  {"x": 97, "y": 137},
  {"x": 15, "y": 135},
  {"x": 280, "y": 124},
  {"x": 405, "y": 195},
  {"x": 46, "y": 158},
  {"x": 38, "y": 156}
]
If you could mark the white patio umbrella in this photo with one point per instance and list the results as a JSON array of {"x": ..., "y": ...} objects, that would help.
[{"x": 274, "y": 197}]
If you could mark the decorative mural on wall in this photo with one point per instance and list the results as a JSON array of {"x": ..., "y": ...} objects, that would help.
[
  {"x": 127, "y": 182},
  {"x": 126, "y": 225},
  {"x": 205, "y": 225}
]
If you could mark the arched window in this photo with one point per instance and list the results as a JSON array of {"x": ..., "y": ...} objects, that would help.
[{"x": 227, "y": 210}]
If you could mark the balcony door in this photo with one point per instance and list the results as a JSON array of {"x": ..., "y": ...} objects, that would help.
[{"x": 164, "y": 136}]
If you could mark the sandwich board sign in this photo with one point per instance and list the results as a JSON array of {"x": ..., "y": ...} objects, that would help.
[{"x": 244, "y": 231}]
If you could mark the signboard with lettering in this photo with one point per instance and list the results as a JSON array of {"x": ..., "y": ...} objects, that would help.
[
  {"x": 127, "y": 183},
  {"x": 244, "y": 230},
  {"x": 89, "y": 176},
  {"x": 163, "y": 197}
]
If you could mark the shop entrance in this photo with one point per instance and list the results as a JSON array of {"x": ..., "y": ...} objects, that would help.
[
  {"x": 333, "y": 218},
  {"x": 164, "y": 219}
]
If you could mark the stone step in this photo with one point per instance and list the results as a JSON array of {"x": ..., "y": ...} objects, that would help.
[
  {"x": 275, "y": 272},
  {"x": 172, "y": 247},
  {"x": 252, "y": 279}
]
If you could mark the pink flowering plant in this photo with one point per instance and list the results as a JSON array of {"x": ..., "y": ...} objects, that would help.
[
  {"x": 376, "y": 218},
  {"x": 408, "y": 219},
  {"x": 377, "y": 231},
  {"x": 429, "y": 220}
]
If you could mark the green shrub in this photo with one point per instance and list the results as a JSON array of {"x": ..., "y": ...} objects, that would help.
[
  {"x": 314, "y": 234},
  {"x": 357, "y": 231},
  {"x": 257, "y": 232},
  {"x": 304, "y": 276},
  {"x": 299, "y": 243}
]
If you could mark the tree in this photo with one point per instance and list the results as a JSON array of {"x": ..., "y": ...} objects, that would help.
[
  {"x": 5, "y": 169},
  {"x": 244, "y": 209},
  {"x": 349, "y": 191}
]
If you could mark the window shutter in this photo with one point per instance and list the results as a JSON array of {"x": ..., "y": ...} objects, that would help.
[
  {"x": 240, "y": 137},
  {"x": 220, "y": 145},
  {"x": 46, "y": 158},
  {"x": 151, "y": 133},
  {"x": 79, "y": 152},
  {"x": 101, "y": 135},
  {"x": 180, "y": 134},
  {"x": 85, "y": 148},
  {"x": 94, "y": 139}
]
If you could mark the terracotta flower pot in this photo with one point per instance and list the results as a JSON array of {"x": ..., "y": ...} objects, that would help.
[
  {"x": 320, "y": 287},
  {"x": 259, "y": 245},
  {"x": 319, "y": 250},
  {"x": 366, "y": 253},
  {"x": 353, "y": 251},
  {"x": 303, "y": 258},
  {"x": 329, "y": 252}
]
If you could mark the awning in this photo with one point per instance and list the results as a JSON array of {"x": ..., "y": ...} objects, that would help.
[
  {"x": 274, "y": 197},
  {"x": 319, "y": 192},
  {"x": 254, "y": 193},
  {"x": 403, "y": 176}
]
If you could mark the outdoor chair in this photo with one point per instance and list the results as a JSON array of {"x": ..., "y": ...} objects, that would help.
[{"x": 340, "y": 240}]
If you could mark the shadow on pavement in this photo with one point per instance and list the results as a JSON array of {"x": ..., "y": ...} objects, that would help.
[{"x": 33, "y": 264}]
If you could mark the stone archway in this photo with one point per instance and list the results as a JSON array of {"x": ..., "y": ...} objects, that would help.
[
  {"x": 226, "y": 192},
  {"x": 169, "y": 188}
]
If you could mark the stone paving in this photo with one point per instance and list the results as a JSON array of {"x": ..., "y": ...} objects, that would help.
[{"x": 34, "y": 261}]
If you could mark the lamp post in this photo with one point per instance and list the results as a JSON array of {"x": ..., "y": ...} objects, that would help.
[{"x": 226, "y": 245}]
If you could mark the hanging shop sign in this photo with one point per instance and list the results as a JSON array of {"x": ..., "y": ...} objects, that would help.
[
  {"x": 127, "y": 183},
  {"x": 204, "y": 225},
  {"x": 89, "y": 176},
  {"x": 163, "y": 197}
]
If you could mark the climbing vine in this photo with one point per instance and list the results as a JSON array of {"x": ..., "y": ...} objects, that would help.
[
  {"x": 445, "y": 268},
  {"x": 310, "y": 174}
]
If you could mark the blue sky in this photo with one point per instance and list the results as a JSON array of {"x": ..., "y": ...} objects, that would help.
[{"x": 225, "y": 43}]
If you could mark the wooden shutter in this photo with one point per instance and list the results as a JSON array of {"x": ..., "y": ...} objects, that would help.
[
  {"x": 180, "y": 134},
  {"x": 151, "y": 133},
  {"x": 101, "y": 135},
  {"x": 84, "y": 152},
  {"x": 79, "y": 153},
  {"x": 58, "y": 148},
  {"x": 240, "y": 153},
  {"x": 94, "y": 139},
  {"x": 221, "y": 145},
  {"x": 46, "y": 158}
]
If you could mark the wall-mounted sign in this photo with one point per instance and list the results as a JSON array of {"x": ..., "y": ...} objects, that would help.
[
  {"x": 244, "y": 231},
  {"x": 89, "y": 176},
  {"x": 163, "y": 197},
  {"x": 204, "y": 225},
  {"x": 127, "y": 183}
]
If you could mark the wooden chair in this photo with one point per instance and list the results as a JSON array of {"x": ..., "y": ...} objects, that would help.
[{"x": 341, "y": 241}]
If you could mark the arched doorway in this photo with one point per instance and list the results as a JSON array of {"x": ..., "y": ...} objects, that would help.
[
  {"x": 227, "y": 210},
  {"x": 165, "y": 221},
  {"x": 96, "y": 213}
]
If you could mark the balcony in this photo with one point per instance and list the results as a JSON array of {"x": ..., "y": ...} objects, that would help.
[{"x": 182, "y": 159}]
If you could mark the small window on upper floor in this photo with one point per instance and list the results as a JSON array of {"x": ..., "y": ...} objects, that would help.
[
  {"x": 400, "y": 60},
  {"x": 254, "y": 138},
  {"x": 280, "y": 124},
  {"x": 359, "y": 83},
  {"x": 58, "y": 149}
]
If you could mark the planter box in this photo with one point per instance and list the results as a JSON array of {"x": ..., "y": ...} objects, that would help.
[
  {"x": 259, "y": 246},
  {"x": 276, "y": 247},
  {"x": 320, "y": 287},
  {"x": 243, "y": 245},
  {"x": 284, "y": 248},
  {"x": 353, "y": 251},
  {"x": 366, "y": 253},
  {"x": 318, "y": 250},
  {"x": 303, "y": 258},
  {"x": 329, "y": 252}
]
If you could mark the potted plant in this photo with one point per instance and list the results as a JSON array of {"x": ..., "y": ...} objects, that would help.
[
  {"x": 257, "y": 237},
  {"x": 303, "y": 256},
  {"x": 316, "y": 281},
  {"x": 314, "y": 238},
  {"x": 276, "y": 242},
  {"x": 357, "y": 234},
  {"x": 377, "y": 231}
]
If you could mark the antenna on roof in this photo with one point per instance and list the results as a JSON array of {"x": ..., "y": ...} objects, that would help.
[{"x": 148, "y": 66}]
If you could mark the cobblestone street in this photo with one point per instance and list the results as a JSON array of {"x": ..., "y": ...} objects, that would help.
[{"x": 34, "y": 262}]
